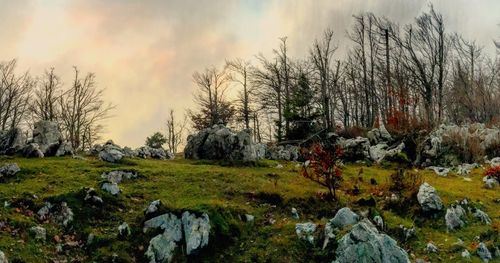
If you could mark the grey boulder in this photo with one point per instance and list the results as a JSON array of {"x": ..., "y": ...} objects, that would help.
[
  {"x": 428, "y": 198},
  {"x": 196, "y": 231},
  {"x": 484, "y": 253},
  {"x": 453, "y": 218},
  {"x": 344, "y": 217},
  {"x": 305, "y": 231},
  {"x": 220, "y": 143},
  {"x": 9, "y": 170},
  {"x": 111, "y": 153},
  {"x": 12, "y": 141},
  {"x": 111, "y": 188},
  {"x": 48, "y": 137},
  {"x": 364, "y": 243},
  {"x": 32, "y": 150}
]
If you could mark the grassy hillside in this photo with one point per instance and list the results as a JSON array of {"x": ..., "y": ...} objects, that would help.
[{"x": 225, "y": 193}]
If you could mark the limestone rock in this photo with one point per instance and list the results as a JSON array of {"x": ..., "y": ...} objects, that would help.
[
  {"x": 32, "y": 150},
  {"x": 152, "y": 207},
  {"x": 111, "y": 153},
  {"x": 429, "y": 199},
  {"x": 64, "y": 149},
  {"x": 305, "y": 231},
  {"x": 484, "y": 253},
  {"x": 364, "y": 243},
  {"x": 490, "y": 182},
  {"x": 48, "y": 137},
  {"x": 12, "y": 141},
  {"x": 220, "y": 143},
  {"x": 9, "y": 170},
  {"x": 196, "y": 231},
  {"x": 355, "y": 149},
  {"x": 92, "y": 197},
  {"x": 118, "y": 176},
  {"x": 111, "y": 188},
  {"x": 123, "y": 230},
  {"x": 453, "y": 219},
  {"x": 344, "y": 217},
  {"x": 441, "y": 171},
  {"x": 482, "y": 216},
  {"x": 431, "y": 248},
  {"x": 39, "y": 232},
  {"x": 3, "y": 258},
  {"x": 295, "y": 214}
]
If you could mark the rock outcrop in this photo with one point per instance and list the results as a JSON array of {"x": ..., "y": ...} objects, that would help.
[
  {"x": 193, "y": 229},
  {"x": 220, "y": 143},
  {"x": 47, "y": 136},
  {"x": 355, "y": 149},
  {"x": 364, "y": 243}
]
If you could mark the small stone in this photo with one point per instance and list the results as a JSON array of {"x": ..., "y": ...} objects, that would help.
[
  {"x": 59, "y": 248},
  {"x": 153, "y": 207},
  {"x": 305, "y": 231},
  {"x": 90, "y": 239},
  {"x": 453, "y": 219},
  {"x": 483, "y": 252},
  {"x": 295, "y": 214},
  {"x": 482, "y": 216},
  {"x": 123, "y": 230},
  {"x": 3, "y": 258},
  {"x": 431, "y": 248},
  {"x": 466, "y": 254},
  {"x": 111, "y": 188},
  {"x": 249, "y": 218},
  {"x": 39, "y": 232},
  {"x": 379, "y": 222},
  {"x": 9, "y": 170}
]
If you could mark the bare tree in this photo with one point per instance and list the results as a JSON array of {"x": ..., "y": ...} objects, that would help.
[
  {"x": 211, "y": 97},
  {"x": 241, "y": 75},
  {"x": 44, "y": 105},
  {"x": 175, "y": 132},
  {"x": 82, "y": 111},
  {"x": 321, "y": 56},
  {"x": 268, "y": 81},
  {"x": 427, "y": 46},
  {"x": 15, "y": 91}
]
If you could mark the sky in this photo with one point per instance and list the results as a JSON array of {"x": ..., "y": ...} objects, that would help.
[{"x": 145, "y": 52}]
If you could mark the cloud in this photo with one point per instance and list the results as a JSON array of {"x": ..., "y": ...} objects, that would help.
[{"x": 144, "y": 52}]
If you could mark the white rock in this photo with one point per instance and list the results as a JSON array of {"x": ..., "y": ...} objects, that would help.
[
  {"x": 305, "y": 231},
  {"x": 196, "y": 231}
]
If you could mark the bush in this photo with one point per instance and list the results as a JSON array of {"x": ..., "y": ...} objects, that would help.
[
  {"x": 156, "y": 140},
  {"x": 493, "y": 172},
  {"x": 467, "y": 148},
  {"x": 323, "y": 167}
]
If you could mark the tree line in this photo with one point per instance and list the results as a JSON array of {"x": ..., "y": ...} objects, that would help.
[
  {"x": 78, "y": 107},
  {"x": 410, "y": 76}
]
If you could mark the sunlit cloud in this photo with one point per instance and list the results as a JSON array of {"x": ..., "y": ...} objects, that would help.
[{"x": 144, "y": 52}]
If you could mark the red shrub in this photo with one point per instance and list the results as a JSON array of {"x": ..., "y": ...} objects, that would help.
[
  {"x": 493, "y": 172},
  {"x": 323, "y": 167}
]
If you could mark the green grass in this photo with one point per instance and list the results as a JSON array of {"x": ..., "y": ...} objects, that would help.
[{"x": 223, "y": 191}]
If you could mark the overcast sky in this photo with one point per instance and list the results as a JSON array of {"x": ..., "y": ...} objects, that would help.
[{"x": 144, "y": 52}]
